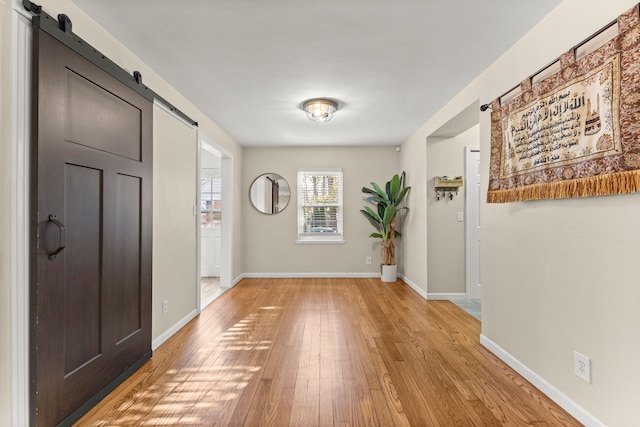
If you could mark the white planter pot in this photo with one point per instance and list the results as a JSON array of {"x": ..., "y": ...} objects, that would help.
[{"x": 389, "y": 273}]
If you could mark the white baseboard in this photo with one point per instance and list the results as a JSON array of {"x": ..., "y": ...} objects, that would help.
[
  {"x": 553, "y": 393},
  {"x": 413, "y": 286},
  {"x": 307, "y": 275},
  {"x": 433, "y": 296},
  {"x": 172, "y": 330},
  {"x": 447, "y": 296}
]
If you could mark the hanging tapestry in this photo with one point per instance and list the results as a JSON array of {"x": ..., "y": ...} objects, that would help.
[{"x": 575, "y": 133}]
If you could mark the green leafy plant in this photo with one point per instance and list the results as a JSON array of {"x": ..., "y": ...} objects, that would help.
[{"x": 387, "y": 204}]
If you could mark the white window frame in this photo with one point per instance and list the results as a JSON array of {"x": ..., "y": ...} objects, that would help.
[{"x": 320, "y": 238}]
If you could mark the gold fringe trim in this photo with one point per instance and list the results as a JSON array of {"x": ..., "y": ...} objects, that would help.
[{"x": 600, "y": 185}]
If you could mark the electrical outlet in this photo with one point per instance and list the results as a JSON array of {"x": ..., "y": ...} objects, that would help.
[
  {"x": 460, "y": 217},
  {"x": 165, "y": 306},
  {"x": 582, "y": 366},
  {"x": 368, "y": 260}
]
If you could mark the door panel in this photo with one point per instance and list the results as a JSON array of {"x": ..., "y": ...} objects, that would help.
[
  {"x": 83, "y": 221},
  {"x": 211, "y": 253},
  {"x": 90, "y": 110},
  {"x": 91, "y": 303},
  {"x": 127, "y": 295}
]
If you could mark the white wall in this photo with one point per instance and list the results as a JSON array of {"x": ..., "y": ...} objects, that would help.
[
  {"x": 561, "y": 275},
  {"x": 175, "y": 279},
  {"x": 413, "y": 264},
  {"x": 270, "y": 240},
  {"x": 446, "y": 235}
]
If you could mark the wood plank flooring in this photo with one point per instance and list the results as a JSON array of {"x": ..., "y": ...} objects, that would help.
[{"x": 326, "y": 352}]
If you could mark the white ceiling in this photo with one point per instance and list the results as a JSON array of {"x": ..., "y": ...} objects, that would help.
[{"x": 249, "y": 64}]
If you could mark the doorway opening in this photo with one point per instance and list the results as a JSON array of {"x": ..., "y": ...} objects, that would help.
[
  {"x": 453, "y": 243},
  {"x": 210, "y": 224},
  {"x": 473, "y": 304},
  {"x": 215, "y": 197}
]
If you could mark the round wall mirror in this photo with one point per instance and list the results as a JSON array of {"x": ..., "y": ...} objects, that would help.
[{"x": 269, "y": 193}]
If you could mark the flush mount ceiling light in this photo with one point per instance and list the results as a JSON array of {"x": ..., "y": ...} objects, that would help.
[{"x": 320, "y": 109}]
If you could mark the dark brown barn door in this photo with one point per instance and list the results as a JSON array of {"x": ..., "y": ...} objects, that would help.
[{"x": 91, "y": 249}]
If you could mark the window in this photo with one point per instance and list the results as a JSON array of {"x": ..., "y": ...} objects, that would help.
[
  {"x": 210, "y": 201},
  {"x": 320, "y": 206}
]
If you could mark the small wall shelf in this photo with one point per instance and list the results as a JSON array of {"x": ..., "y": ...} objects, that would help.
[{"x": 445, "y": 184}]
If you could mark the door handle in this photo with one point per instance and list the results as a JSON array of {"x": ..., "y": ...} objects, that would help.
[{"x": 62, "y": 240}]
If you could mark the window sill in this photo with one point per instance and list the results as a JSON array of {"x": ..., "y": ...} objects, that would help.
[{"x": 321, "y": 242}]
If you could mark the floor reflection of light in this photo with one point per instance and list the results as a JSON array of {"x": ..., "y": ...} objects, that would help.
[
  {"x": 207, "y": 382},
  {"x": 163, "y": 420}
]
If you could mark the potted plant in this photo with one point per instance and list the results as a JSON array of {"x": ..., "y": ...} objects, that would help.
[{"x": 387, "y": 204}]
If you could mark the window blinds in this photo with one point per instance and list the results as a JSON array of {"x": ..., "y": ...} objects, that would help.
[{"x": 320, "y": 204}]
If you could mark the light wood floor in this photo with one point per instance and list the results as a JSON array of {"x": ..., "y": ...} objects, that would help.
[
  {"x": 209, "y": 286},
  {"x": 326, "y": 352}
]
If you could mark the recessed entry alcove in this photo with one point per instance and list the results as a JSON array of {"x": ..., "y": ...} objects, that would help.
[{"x": 453, "y": 247}]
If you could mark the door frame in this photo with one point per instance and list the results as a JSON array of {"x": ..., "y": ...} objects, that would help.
[
  {"x": 226, "y": 229},
  {"x": 21, "y": 48},
  {"x": 468, "y": 214}
]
